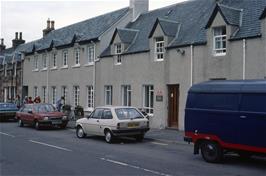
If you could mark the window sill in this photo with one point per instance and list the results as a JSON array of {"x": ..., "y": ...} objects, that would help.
[
  {"x": 54, "y": 68},
  {"x": 219, "y": 55},
  {"x": 118, "y": 64},
  {"x": 158, "y": 60},
  {"x": 76, "y": 66},
  {"x": 36, "y": 70},
  {"x": 89, "y": 64},
  {"x": 44, "y": 69},
  {"x": 64, "y": 67}
]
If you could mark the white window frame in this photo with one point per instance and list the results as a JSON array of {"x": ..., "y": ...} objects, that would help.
[
  {"x": 77, "y": 56},
  {"x": 118, "y": 52},
  {"x": 53, "y": 95},
  {"x": 35, "y": 63},
  {"x": 5, "y": 70},
  {"x": 44, "y": 94},
  {"x": 221, "y": 39},
  {"x": 159, "y": 49},
  {"x": 35, "y": 91},
  {"x": 90, "y": 97},
  {"x": 91, "y": 54},
  {"x": 148, "y": 106},
  {"x": 108, "y": 95},
  {"x": 76, "y": 94},
  {"x": 64, "y": 93},
  {"x": 126, "y": 95},
  {"x": 54, "y": 60},
  {"x": 44, "y": 62},
  {"x": 65, "y": 59}
]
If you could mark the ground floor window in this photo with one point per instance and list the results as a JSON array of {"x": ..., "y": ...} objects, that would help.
[
  {"x": 126, "y": 95},
  {"x": 64, "y": 94},
  {"x": 148, "y": 98},
  {"x": 35, "y": 92},
  {"x": 53, "y": 95},
  {"x": 108, "y": 95},
  {"x": 76, "y": 94},
  {"x": 44, "y": 94},
  {"x": 90, "y": 97}
]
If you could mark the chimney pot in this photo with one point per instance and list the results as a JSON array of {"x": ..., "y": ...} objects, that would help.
[
  {"x": 20, "y": 36},
  {"x": 48, "y": 23},
  {"x": 52, "y": 24},
  {"x": 16, "y": 35}
]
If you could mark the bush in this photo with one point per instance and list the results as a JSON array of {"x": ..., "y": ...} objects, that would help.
[
  {"x": 66, "y": 108},
  {"x": 79, "y": 111}
]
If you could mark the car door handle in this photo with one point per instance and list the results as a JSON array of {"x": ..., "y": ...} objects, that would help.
[{"x": 243, "y": 117}]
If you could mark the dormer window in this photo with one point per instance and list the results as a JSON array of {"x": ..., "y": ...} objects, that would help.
[
  {"x": 159, "y": 49},
  {"x": 65, "y": 58},
  {"x": 35, "y": 63},
  {"x": 77, "y": 56},
  {"x": 219, "y": 41},
  {"x": 54, "y": 60},
  {"x": 118, "y": 52},
  {"x": 44, "y": 61}
]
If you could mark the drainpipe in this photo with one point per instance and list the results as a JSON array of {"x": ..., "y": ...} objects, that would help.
[
  {"x": 47, "y": 75},
  {"x": 244, "y": 60},
  {"x": 94, "y": 74},
  {"x": 191, "y": 64}
]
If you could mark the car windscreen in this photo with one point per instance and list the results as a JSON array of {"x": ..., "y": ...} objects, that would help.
[
  {"x": 128, "y": 113},
  {"x": 44, "y": 108},
  {"x": 8, "y": 106}
]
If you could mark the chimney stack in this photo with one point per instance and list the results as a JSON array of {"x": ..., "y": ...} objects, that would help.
[
  {"x": 49, "y": 28},
  {"x": 17, "y": 41},
  {"x": 138, "y": 7},
  {"x": 2, "y": 46}
]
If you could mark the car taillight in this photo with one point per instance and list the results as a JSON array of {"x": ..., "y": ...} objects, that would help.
[{"x": 118, "y": 126}]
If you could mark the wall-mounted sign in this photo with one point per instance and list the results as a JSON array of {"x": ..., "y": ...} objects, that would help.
[{"x": 159, "y": 98}]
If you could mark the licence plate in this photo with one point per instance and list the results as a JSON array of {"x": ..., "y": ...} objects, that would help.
[
  {"x": 56, "y": 122},
  {"x": 133, "y": 125}
]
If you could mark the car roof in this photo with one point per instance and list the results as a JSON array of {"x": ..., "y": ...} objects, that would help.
[{"x": 230, "y": 86}]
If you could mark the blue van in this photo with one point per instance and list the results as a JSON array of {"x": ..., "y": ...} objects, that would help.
[{"x": 226, "y": 116}]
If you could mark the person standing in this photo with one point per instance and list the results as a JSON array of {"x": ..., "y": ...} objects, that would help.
[
  {"x": 18, "y": 101},
  {"x": 59, "y": 103}
]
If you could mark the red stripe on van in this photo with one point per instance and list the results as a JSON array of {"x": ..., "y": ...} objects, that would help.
[{"x": 223, "y": 144}]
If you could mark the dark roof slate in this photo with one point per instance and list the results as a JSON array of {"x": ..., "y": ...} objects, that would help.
[
  {"x": 263, "y": 15},
  {"x": 169, "y": 27},
  {"x": 127, "y": 35},
  {"x": 193, "y": 16}
]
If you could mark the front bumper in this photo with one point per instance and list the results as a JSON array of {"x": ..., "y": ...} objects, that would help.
[
  {"x": 53, "y": 123},
  {"x": 129, "y": 132}
]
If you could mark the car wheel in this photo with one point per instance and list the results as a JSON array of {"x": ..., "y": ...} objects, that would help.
[
  {"x": 80, "y": 132},
  {"x": 37, "y": 125},
  {"x": 20, "y": 123},
  {"x": 139, "y": 137},
  {"x": 108, "y": 136},
  {"x": 211, "y": 152}
]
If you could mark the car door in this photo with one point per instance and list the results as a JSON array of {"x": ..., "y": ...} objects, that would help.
[
  {"x": 106, "y": 121},
  {"x": 29, "y": 115},
  {"x": 91, "y": 124}
]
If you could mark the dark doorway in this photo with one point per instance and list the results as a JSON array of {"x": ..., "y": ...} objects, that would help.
[{"x": 173, "y": 105}]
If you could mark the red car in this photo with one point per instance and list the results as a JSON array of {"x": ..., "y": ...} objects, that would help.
[{"x": 40, "y": 115}]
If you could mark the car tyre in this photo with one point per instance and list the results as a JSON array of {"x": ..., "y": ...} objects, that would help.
[
  {"x": 80, "y": 132},
  {"x": 20, "y": 123},
  {"x": 139, "y": 137},
  {"x": 109, "y": 137},
  {"x": 211, "y": 152},
  {"x": 37, "y": 125}
]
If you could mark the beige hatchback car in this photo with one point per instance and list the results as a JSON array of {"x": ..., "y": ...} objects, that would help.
[{"x": 113, "y": 121}]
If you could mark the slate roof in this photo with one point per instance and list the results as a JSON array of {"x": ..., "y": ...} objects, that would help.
[
  {"x": 126, "y": 35},
  {"x": 193, "y": 16},
  {"x": 170, "y": 28}
]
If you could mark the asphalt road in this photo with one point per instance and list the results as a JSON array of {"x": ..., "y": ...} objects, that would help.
[{"x": 26, "y": 151}]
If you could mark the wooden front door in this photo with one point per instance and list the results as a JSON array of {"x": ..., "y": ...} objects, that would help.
[{"x": 173, "y": 105}]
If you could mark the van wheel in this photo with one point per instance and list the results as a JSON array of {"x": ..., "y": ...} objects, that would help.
[
  {"x": 211, "y": 152},
  {"x": 80, "y": 132},
  {"x": 20, "y": 123},
  {"x": 108, "y": 136}
]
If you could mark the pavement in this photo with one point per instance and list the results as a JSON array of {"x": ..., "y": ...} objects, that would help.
[{"x": 163, "y": 135}]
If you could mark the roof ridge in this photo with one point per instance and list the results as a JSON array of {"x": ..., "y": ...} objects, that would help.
[
  {"x": 167, "y": 20},
  {"x": 128, "y": 29},
  {"x": 232, "y": 8}
]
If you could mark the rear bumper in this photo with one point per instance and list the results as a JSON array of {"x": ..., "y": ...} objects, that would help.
[
  {"x": 7, "y": 115},
  {"x": 129, "y": 132}
]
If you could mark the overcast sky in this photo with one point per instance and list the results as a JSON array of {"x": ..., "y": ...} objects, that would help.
[{"x": 29, "y": 17}]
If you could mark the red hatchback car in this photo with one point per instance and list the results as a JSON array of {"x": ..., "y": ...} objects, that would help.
[{"x": 40, "y": 115}]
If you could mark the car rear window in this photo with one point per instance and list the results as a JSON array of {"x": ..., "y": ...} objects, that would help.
[
  {"x": 44, "y": 108},
  {"x": 128, "y": 113},
  {"x": 8, "y": 106}
]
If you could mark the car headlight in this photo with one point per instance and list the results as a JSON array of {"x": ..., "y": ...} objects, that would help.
[
  {"x": 64, "y": 118},
  {"x": 46, "y": 118}
]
